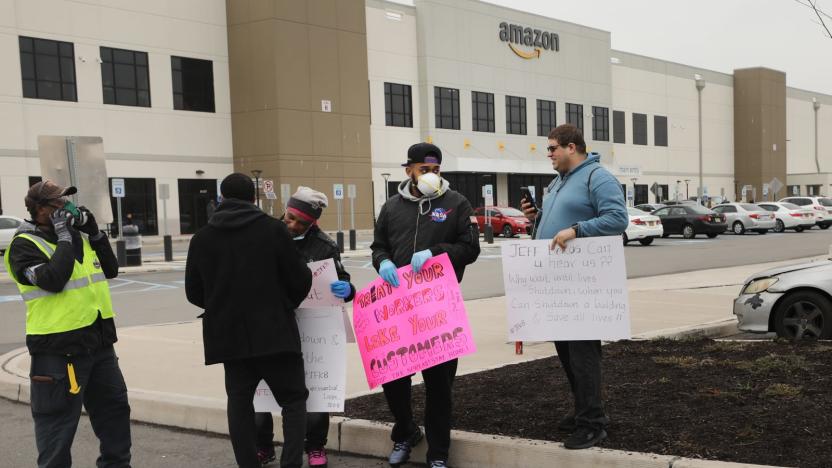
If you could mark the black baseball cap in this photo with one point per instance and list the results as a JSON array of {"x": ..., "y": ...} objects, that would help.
[{"x": 423, "y": 153}]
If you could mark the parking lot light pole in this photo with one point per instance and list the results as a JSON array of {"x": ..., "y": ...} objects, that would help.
[
  {"x": 386, "y": 175},
  {"x": 700, "y": 85},
  {"x": 687, "y": 190},
  {"x": 256, "y": 173}
]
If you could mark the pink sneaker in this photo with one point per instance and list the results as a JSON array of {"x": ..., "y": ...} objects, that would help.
[{"x": 317, "y": 458}]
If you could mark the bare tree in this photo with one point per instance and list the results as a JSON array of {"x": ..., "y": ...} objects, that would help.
[{"x": 813, "y": 4}]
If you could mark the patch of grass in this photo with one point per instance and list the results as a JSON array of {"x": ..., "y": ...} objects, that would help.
[
  {"x": 684, "y": 362},
  {"x": 774, "y": 363},
  {"x": 663, "y": 380},
  {"x": 745, "y": 386},
  {"x": 724, "y": 346},
  {"x": 781, "y": 391}
]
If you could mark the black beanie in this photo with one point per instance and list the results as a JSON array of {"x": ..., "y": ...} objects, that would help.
[{"x": 238, "y": 186}]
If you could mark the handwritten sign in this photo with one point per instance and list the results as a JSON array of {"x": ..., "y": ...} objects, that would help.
[
  {"x": 322, "y": 338},
  {"x": 320, "y": 294},
  {"x": 418, "y": 325},
  {"x": 575, "y": 294}
]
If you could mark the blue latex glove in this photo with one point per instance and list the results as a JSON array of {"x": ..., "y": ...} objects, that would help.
[
  {"x": 419, "y": 259},
  {"x": 387, "y": 270},
  {"x": 341, "y": 289}
]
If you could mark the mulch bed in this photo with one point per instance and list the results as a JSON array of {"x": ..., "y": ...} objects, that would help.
[{"x": 767, "y": 402}]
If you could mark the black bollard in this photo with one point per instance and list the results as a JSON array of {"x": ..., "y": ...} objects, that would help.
[
  {"x": 168, "y": 248},
  {"x": 121, "y": 253},
  {"x": 489, "y": 234},
  {"x": 352, "y": 239},
  {"x": 339, "y": 237}
]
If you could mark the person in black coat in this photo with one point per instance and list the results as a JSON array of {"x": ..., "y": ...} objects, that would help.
[
  {"x": 301, "y": 217},
  {"x": 425, "y": 219},
  {"x": 246, "y": 273}
]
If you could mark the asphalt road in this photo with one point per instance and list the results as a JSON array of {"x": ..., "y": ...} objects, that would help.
[
  {"x": 153, "y": 446},
  {"x": 151, "y": 298}
]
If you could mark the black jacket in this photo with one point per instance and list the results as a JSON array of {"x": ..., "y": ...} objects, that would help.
[
  {"x": 446, "y": 227},
  {"x": 246, "y": 272},
  {"x": 52, "y": 276},
  {"x": 316, "y": 246}
]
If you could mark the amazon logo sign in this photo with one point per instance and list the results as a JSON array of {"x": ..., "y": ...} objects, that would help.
[{"x": 516, "y": 35}]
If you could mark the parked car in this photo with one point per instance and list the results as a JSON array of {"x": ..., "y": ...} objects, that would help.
[
  {"x": 8, "y": 226},
  {"x": 821, "y": 206},
  {"x": 746, "y": 216},
  {"x": 643, "y": 227},
  {"x": 650, "y": 207},
  {"x": 792, "y": 301},
  {"x": 504, "y": 220},
  {"x": 789, "y": 216},
  {"x": 679, "y": 202},
  {"x": 689, "y": 219}
]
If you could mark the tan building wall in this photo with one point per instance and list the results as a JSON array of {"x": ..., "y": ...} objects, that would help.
[
  {"x": 285, "y": 58},
  {"x": 759, "y": 129}
]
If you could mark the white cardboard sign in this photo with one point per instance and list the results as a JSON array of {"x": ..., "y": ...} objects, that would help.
[
  {"x": 320, "y": 294},
  {"x": 322, "y": 339},
  {"x": 576, "y": 294}
]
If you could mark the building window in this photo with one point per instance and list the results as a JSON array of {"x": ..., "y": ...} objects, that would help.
[
  {"x": 193, "y": 84},
  {"x": 575, "y": 115},
  {"x": 660, "y": 130},
  {"x": 619, "y": 130},
  {"x": 600, "y": 123},
  {"x": 792, "y": 190},
  {"x": 482, "y": 111},
  {"x": 48, "y": 69},
  {"x": 125, "y": 77},
  {"x": 639, "y": 129},
  {"x": 398, "y": 109},
  {"x": 446, "y": 102},
  {"x": 515, "y": 115},
  {"x": 545, "y": 117}
]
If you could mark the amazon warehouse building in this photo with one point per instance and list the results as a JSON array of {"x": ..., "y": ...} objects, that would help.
[{"x": 333, "y": 92}]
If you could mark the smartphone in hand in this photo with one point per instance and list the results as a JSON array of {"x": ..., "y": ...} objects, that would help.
[{"x": 526, "y": 196}]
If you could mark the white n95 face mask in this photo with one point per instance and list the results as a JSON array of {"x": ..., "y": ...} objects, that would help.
[{"x": 430, "y": 184}]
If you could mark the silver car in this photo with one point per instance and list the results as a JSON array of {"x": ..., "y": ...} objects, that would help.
[
  {"x": 746, "y": 217},
  {"x": 793, "y": 301}
]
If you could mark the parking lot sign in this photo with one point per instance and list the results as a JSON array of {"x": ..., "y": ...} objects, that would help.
[
  {"x": 338, "y": 191},
  {"x": 268, "y": 186},
  {"x": 118, "y": 188}
]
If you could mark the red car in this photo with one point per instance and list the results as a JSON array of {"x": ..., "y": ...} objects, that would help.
[{"x": 504, "y": 220}]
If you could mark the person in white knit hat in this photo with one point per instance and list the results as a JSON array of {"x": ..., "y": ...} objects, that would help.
[{"x": 301, "y": 217}]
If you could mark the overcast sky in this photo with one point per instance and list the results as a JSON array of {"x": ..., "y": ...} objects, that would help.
[{"x": 720, "y": 35}]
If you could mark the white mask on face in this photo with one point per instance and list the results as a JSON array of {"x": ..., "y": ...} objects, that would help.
[{"x": 430, "y": 184}]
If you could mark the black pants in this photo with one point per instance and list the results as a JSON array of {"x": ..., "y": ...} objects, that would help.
[
  {"x": 439, "y": 381},
  {"x": 317, "y": 428},
  {"x": 56, "y": 407},
  {"x": 581, "y": 360},
  {"x": 284, "y": 375}
]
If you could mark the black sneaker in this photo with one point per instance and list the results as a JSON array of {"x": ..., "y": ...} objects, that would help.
[
  {"x": 584, "y": 437},
  {"x": 568, "y": 424}
]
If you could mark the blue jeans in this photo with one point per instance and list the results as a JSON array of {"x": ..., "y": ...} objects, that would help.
[{"x": 56, "y": 410}]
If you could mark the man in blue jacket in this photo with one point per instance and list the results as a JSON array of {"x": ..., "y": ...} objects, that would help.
[{"x": 584, "y": 200}]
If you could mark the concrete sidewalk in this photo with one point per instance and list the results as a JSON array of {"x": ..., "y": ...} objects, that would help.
[{"x": 169, "y": 385}]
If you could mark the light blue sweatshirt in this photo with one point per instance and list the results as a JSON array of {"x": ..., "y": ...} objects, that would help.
[{"x": 599, "y": 210}]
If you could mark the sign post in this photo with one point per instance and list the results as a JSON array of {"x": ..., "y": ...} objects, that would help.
[
  {"x": 351, "y": 196},
  {"x": 488, "y": 196},
  {"x": 164, "y": 194},
  {"x": 338, "y": 192},
  {"x": 121, "y": 248},
  {"x": 268, "y": 191},
  {"x": 775, "y": 185}
]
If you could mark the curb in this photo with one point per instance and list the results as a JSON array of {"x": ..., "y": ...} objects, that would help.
[{"x": 372, "y": 438}]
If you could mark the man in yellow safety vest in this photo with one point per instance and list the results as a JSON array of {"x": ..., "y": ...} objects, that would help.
[{"x": 61, "y": 261}]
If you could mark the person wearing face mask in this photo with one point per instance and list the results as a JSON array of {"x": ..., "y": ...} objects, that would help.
[
  {"x": 426, "y": 218},
  {"x": 301, "y": 217},
  {"x": 61, "y": 261},
  {"x": 584, "y": 200}
]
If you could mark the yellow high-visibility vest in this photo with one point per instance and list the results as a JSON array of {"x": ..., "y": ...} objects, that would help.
[{"x": 84, "y": 296}]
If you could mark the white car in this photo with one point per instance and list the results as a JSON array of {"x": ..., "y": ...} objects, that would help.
[
  {"x": 789, "y": 216},
  {"x": 8, "y": 226},
  {"x": 746, "y": 216},
  {"x": 821, "y": 206},
  {"x": 643, "y": 227}
]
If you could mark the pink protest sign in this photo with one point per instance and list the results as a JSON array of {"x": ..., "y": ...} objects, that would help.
[{"x": 420, "y": 324}]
